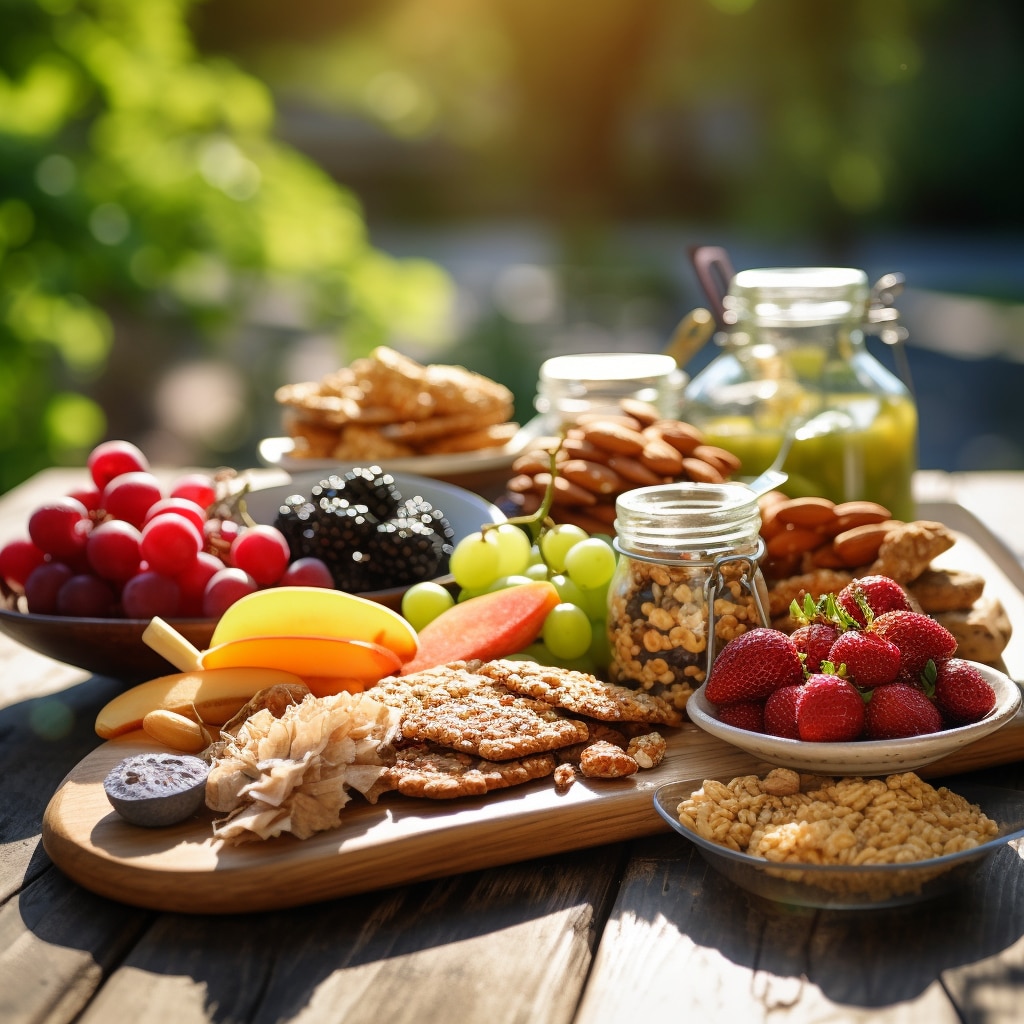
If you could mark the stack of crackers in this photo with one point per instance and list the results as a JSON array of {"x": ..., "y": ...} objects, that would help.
[
  {"x": 388, "y": 406},
  {"x": 471, "y": 727}
]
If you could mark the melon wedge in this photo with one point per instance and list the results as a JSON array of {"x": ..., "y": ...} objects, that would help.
[
  {"x": 315, "y": 612},
  {"x": 212, "y": 696},
  {"x": 320, "y": 658},
  {"x": 490, "y": 626}
]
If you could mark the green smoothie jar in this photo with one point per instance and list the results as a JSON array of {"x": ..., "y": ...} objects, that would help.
[{"x": 794, "y": 369}]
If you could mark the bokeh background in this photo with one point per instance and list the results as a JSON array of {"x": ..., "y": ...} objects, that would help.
[{"x": 203, "y": 199}]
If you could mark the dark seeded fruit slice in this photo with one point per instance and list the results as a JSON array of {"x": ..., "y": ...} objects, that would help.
[{"x": 157, "y": 789}]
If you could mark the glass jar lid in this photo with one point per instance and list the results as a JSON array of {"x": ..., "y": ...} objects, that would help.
[
  {"x": 597, "y": 381},
  {"x": 790, "y": 296},
  {"x": 687, "y": 520}
]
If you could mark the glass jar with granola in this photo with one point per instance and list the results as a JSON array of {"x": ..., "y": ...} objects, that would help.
[{"x": 686, "y": 583}]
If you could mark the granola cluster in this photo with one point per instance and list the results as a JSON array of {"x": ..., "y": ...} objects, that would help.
[
  {"x": 658, "y": 625},
  {"x": 387, "y": 406}
]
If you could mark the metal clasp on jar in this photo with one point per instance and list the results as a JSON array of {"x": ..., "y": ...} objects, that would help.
[{"x": 716, "y": 586}]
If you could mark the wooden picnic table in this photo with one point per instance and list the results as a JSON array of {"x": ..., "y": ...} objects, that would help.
[{"x": 638, "y": 929}]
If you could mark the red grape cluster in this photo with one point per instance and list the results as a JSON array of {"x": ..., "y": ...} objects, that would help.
[{"x": 126, "y": 546}]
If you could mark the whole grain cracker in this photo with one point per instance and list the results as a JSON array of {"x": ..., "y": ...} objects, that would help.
[
  {"x": 476, "y": 724},
  {"x": 427, "y": 771},
  {"x": 581, "y": 693}
]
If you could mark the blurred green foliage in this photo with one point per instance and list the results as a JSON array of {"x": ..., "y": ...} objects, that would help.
[
  {"x": 781, "y": 117},
  {"x": 139, "y": 177}
]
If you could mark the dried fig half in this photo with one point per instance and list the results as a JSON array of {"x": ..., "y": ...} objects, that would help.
[{"x": 157, "y": 789}]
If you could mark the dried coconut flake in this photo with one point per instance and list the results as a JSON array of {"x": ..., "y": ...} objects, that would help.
[{"x": 295, "y": 773}]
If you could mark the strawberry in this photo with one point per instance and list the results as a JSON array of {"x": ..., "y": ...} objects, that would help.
[
  {"x": 814, "y": 641},
  {"x": 870, "y": 596},
  {"x": 829, "y": 709},
  {"x": 752, "y": 666},
  {"x": 780, "y": 713},
  {"x": 870, "y": 659},
  {"x": 899, "y": 710},
  {"x": 747, "y": 715},
  {"x": 962, "y": 693},
  {"x": 918, "y": 636}
]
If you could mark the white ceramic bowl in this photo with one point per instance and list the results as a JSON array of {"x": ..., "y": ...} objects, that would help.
[
  {"x": 846, "y": 886},
  {"x": 861, "y": 757}
]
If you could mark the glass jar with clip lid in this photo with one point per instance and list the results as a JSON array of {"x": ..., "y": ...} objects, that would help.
[
  {"x": 687, "y": 581},
  {"x": 795, "y": 377}
]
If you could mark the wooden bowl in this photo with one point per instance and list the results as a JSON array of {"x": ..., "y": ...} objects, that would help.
[
  {"x": 107, "y": 647},
  {"x": 114, "y": 647}
]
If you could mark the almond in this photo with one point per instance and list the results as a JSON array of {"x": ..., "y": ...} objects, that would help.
[
  {"x": 859, "y": 545},
  {"x": 794, "y": 541},
  {"x": 660, "y": 457},
  {"x": 702, "y": 472},
  {"x": 634, "y": 471},
  {"x": 808, "y": 512},
  {"x": 175, "y": 731},
  {"x": 684, "y": 437},
  {"x": 614, "y": 437},
  {"x": 595, "y": 477}
]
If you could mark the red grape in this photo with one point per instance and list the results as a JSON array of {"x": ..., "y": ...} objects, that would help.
[
  {"x": 262, "y": 552},
  {"x": 224, "y": 589},
  {"x": 60, "y": 528},
  {"x": 219, "y": 535},
  {"x": 197, "y": 487},
  {"x": 170, "y": 543},
  {"x": 130, "y": 496},
  {"x": 193, "y": 582},
  {"x": 113, "y": 550},
  {"x": 86, "y": 595},
  {"x": 307, "y": 572},
  {"x": 180, "y": 506},
  {"x": 17, "y": 560},
  {"x": 150, "y": 593},
  {"x": 88, "y": 496},
  {"x": 112, "y": 458},
  {"x": 42, "y": 586}
]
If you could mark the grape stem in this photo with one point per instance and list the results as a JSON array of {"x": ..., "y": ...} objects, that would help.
[{"x": 537, "y": 522}]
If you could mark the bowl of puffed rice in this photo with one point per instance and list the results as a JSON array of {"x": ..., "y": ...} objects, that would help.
[{"x": 835, "y": 843}]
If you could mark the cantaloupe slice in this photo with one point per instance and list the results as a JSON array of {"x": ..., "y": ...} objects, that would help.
[
  {"x": 310, "y": 657},
  {"x": 315, "y": 612},
  {"x": 212, "y": 696},
  {"x": 486, "y": 627}
]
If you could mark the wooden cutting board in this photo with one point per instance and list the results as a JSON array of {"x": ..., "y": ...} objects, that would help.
[{"x": 401, "y": 840}]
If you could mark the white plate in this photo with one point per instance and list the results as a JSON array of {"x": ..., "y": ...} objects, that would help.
[
  {"x": 861, "y": 757},
  {"x": 277, "y": 452}
]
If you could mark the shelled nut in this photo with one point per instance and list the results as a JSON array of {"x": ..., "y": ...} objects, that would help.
[{"x": 603, "y": 456}]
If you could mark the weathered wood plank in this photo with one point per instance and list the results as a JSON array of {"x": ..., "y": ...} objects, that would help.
[{"x": 503, "y": 946}]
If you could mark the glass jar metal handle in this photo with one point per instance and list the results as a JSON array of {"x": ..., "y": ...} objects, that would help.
[{"x": 715, "y": 585}]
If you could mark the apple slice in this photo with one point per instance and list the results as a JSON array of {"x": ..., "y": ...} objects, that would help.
[
  {"x": 332, "y": 663},
  {"x": 315, "y": 612},
  {"x": 211, "y": 696}
]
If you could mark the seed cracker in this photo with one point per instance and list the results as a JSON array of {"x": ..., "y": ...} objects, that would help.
[
  {"x": 427, "y": 771},
  {"x": 581, "y": 693},
  {"x": 499, "y": 732}
]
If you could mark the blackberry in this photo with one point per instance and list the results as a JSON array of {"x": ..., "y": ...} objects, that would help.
[
  {"x": 423, "y": 511},
  {"x": 367, "y": 534},
  {"x": 293, "y": 521},
  {"x": 407, "y": 551},
  {"x": 368, "y": 486}
]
